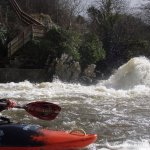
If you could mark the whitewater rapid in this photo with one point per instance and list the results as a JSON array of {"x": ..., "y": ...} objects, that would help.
[
  {"x": 130, "y": 80},
  {"x": 116, "y": 109}
]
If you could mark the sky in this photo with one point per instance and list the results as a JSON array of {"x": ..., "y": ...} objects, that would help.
[
  {"x": 133, "y": 2},
  {"x": 137, "y": 2}
]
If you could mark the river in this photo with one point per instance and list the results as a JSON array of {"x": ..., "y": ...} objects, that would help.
[{"x": 116, "y": 109}]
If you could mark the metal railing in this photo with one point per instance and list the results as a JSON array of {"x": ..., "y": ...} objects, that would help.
[{"x": 23, "y": 16}]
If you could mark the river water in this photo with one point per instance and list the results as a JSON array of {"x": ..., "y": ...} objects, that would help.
[{"x": 116, "y": 109}]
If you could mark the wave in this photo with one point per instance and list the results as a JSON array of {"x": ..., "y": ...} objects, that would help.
[
  {"x": 130, "y": 80},
  {"x": 133, "y": 73},
  {"x": 128, "y": 145}
]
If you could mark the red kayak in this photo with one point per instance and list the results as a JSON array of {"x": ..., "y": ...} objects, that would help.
[{"x": 33, "y": 137}]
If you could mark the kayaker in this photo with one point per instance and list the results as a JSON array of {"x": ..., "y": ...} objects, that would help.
[{"x": 9, "y": 104}]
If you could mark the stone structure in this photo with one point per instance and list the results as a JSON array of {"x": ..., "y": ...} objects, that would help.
[{"x": 18, "y": 75}]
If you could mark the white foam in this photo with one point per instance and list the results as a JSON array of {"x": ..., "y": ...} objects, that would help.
[
  {"x": 135, "y": 72},
  {"x": 129, "y": 145},
  {"x": 130, "y": 80}
]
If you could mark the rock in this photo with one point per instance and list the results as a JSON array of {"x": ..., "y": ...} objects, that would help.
[
  {"x": 67, "y": 69},
  {"x": 85, "y": 80},
  {"x": 90, "y": 71}
]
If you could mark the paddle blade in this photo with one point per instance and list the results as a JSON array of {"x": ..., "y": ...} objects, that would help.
[{"x": 43, "y": 110}]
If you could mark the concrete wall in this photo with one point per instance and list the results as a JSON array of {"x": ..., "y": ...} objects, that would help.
[{"x": 18, "y": 75}]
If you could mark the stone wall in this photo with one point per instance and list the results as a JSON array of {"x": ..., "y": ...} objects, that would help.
[{"x": 18, "y": 75}]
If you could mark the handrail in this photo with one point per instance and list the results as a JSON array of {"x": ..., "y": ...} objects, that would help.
[
  {"x": 25, "y": 36},
  {"x": 34, "y": 29},
  {"x": 19, "y": 41},
  {"x": 23, "y": 16}
]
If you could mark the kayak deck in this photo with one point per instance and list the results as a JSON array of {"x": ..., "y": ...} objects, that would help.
[{"x": 28, "y": 137}]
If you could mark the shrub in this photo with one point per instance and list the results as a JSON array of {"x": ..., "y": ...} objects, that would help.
[
  {"x": 91, "y": 49},
  {"x": 64, "y": 41}
]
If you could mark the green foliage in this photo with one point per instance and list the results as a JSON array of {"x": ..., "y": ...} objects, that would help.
[
  {"x": 91, "y": 49},
  {"x": 103, "y": 21},
  {"x": 64, "y": 41},
  {"x": 34, "y": 54}
]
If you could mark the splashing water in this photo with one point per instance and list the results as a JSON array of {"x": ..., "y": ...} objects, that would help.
[
  {"x": 131, "y": 79},
  {"x": 134, "y": 72},
  {"x": 129, "y": 145}
]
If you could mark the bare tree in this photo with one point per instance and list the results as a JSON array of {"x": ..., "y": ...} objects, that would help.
[
  {"x": 145, "y": 9},
  {"x": 69, "y": 10},
  {"x": 108, "y": 8},
  {"x": 62, "y": 12}
]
